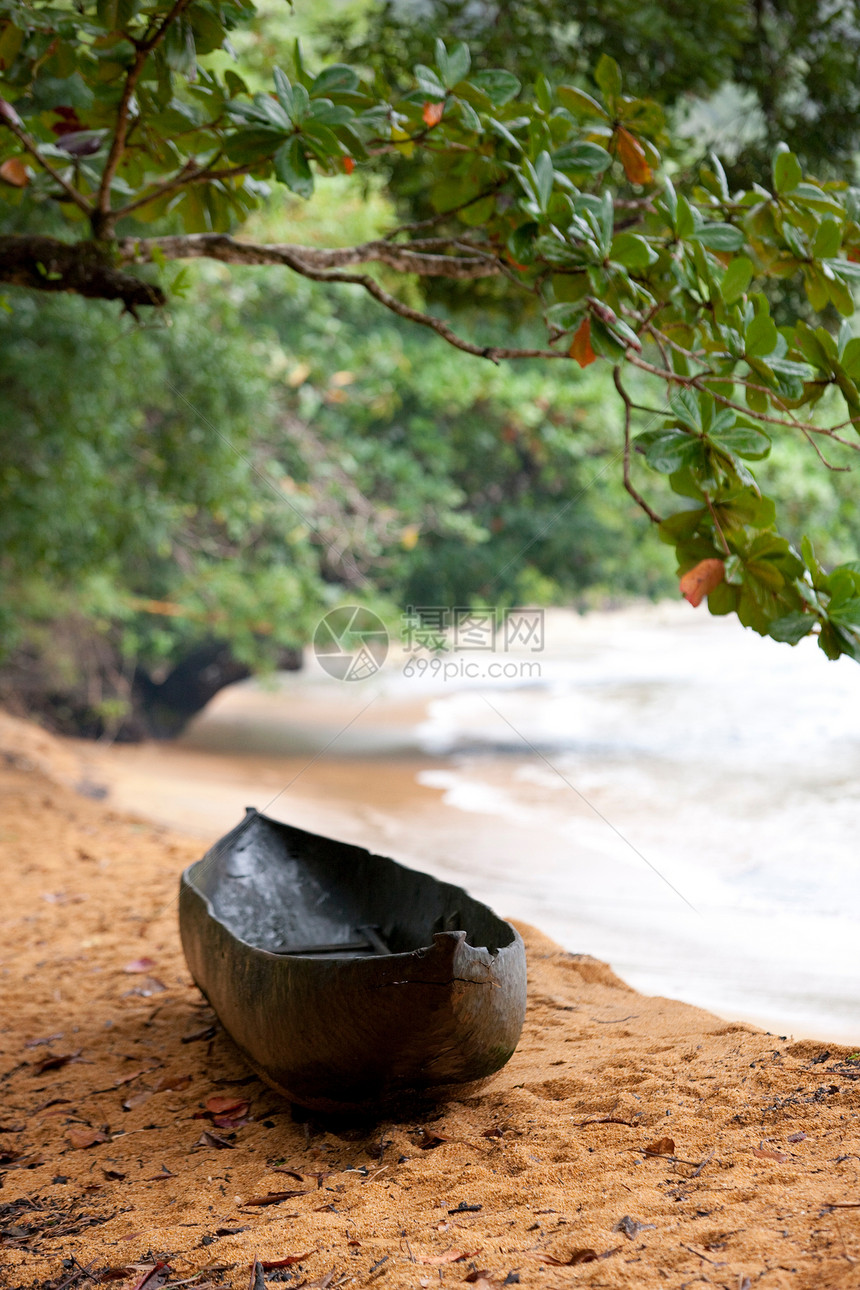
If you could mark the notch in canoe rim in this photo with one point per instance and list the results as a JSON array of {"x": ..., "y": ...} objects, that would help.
[{"x": 345, "y": 977}]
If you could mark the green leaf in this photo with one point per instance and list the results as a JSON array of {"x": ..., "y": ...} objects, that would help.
[
  {"x": 829, "y": 642},
  {"x": 812, "y": 196},
  {"x": 301, "y": 103},
  {"x": 588, "y": 157},
  {"x": 723, "y": 599},
  {"x": 504, "y": 133},
  {"x": 685, "y": 406},
  {"x": 521, "y": 242},
  {"x": 284, "y": 91},
  {"x": 743, "y": 441},
  {"x": 761, "y": 337},
  {"x": 671, "y": 199},
  {"x": 672, "y": 450},
  {"x": 791, "y": 628},
  {"x": 815, "y": 284},
  {"x": 428, "y": 82},
  {"x": 828, "y": 239},
  {"x": 569, "y": 287},
  {"x": 685, "y": 221},
  {"x": 459, "y": 63},
  {"x": 632, "y": 251},
  {"x": 736, "y": 279},
  {"x": 322, "y": 142},
  {"x": 499, "y": 86},
  {"x": 11, "y": 40},
  {"x": 454, "y": 65},
  {"x": 580, "y": 103},
  {"x": 720, "y": 176},
  {"x": 840, "y": 296},
  {"x": 787, "y": 173},
  {"x": 116, "y": 14},
  {"x": 337, "y": 79},
  {"x": 604, "y": 343},
  {"x": 808, "y": 552},
  {"x": 607, "y": 76},
  {"x": 719, "y": 237},
  {"x": 292, "y": 169},
  {"x": 565, "y": 315},
  {"x": 545, "y": 178},
  {"x": 851, "y": 357},
  {"x": 734, "y": 571},
  {"x": 846, "y": 269},
  {"x": 469, "y": 117},
  {"x": 328, "y": 113},
  {"x": 543, "y": 94}
]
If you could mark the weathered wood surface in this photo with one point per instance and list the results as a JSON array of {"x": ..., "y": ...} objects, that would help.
[{"x": 354, "y": 1030}]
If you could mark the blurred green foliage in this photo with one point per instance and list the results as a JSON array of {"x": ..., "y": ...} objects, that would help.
[
  {"x": 746, "y": 74},
  {"x": 262, "y": 451},
  {"x": 266, "y": 454}
]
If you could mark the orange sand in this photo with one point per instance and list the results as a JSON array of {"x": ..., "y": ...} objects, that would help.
[{"x": 763, "y": 1134}]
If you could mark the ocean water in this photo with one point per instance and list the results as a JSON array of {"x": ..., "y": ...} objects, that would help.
[{"x": 670, "y": 793}]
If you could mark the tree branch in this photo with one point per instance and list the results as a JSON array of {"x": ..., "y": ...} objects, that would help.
[
  {"x": 628, "y": 482},
  {"x": 46, "y": 264},
  {"x": 304, "y": 259},
  {"x": 145, "y": 47},
  {"x": 317, "y": 264},
  {"x": 9, "y": 119}
]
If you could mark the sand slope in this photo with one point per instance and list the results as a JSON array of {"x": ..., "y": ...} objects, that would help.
[{"x": 765, "y": 1135}]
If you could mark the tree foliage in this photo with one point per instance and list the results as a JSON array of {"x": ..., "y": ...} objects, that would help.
[
  {"x": 121, "y": 116},
  {"x": 785, "y": 68}
]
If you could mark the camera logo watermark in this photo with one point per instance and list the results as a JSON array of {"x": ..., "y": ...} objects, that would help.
[
  {"x": 351, "y": 643},
  {"x": 440, "y": 641}
]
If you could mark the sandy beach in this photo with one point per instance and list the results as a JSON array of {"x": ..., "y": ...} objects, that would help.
[{"x": 631, "y": 1141}]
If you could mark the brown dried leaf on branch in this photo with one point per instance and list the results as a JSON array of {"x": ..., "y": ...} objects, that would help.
[
  {"x": 702, "y": 579},
  {"x": 15, "y": 173}
]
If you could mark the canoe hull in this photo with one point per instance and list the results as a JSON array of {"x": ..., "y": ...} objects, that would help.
[{"x": 349, "y": 1032}]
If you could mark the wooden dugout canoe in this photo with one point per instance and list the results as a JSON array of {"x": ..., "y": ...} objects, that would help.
[{"x": 345, "y": 978}]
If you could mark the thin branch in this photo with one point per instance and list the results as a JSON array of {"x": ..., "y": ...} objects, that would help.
[
  {"x": 697, "y": 383},
  {"x": 120, "y": 134},
  {"x": 717, "y": 524},
  {"x": 810, "y": 439},
  {"x": 454, "y": 210},
  {"x": 628, "y": 483},
  {"x": 31, "y": 146},
  {"x": 494, "y": 353},
  {"x": 189, "y": 174}
]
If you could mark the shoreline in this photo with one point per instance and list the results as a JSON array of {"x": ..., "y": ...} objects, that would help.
[{"x": 558, "y": 1171}]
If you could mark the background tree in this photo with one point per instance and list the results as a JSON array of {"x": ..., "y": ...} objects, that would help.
[
  {"x": 126, "y": 125},
  {"x": 739, "y": 77}
]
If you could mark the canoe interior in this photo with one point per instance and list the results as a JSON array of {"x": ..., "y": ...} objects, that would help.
[{"x": 287, "y": 891}]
